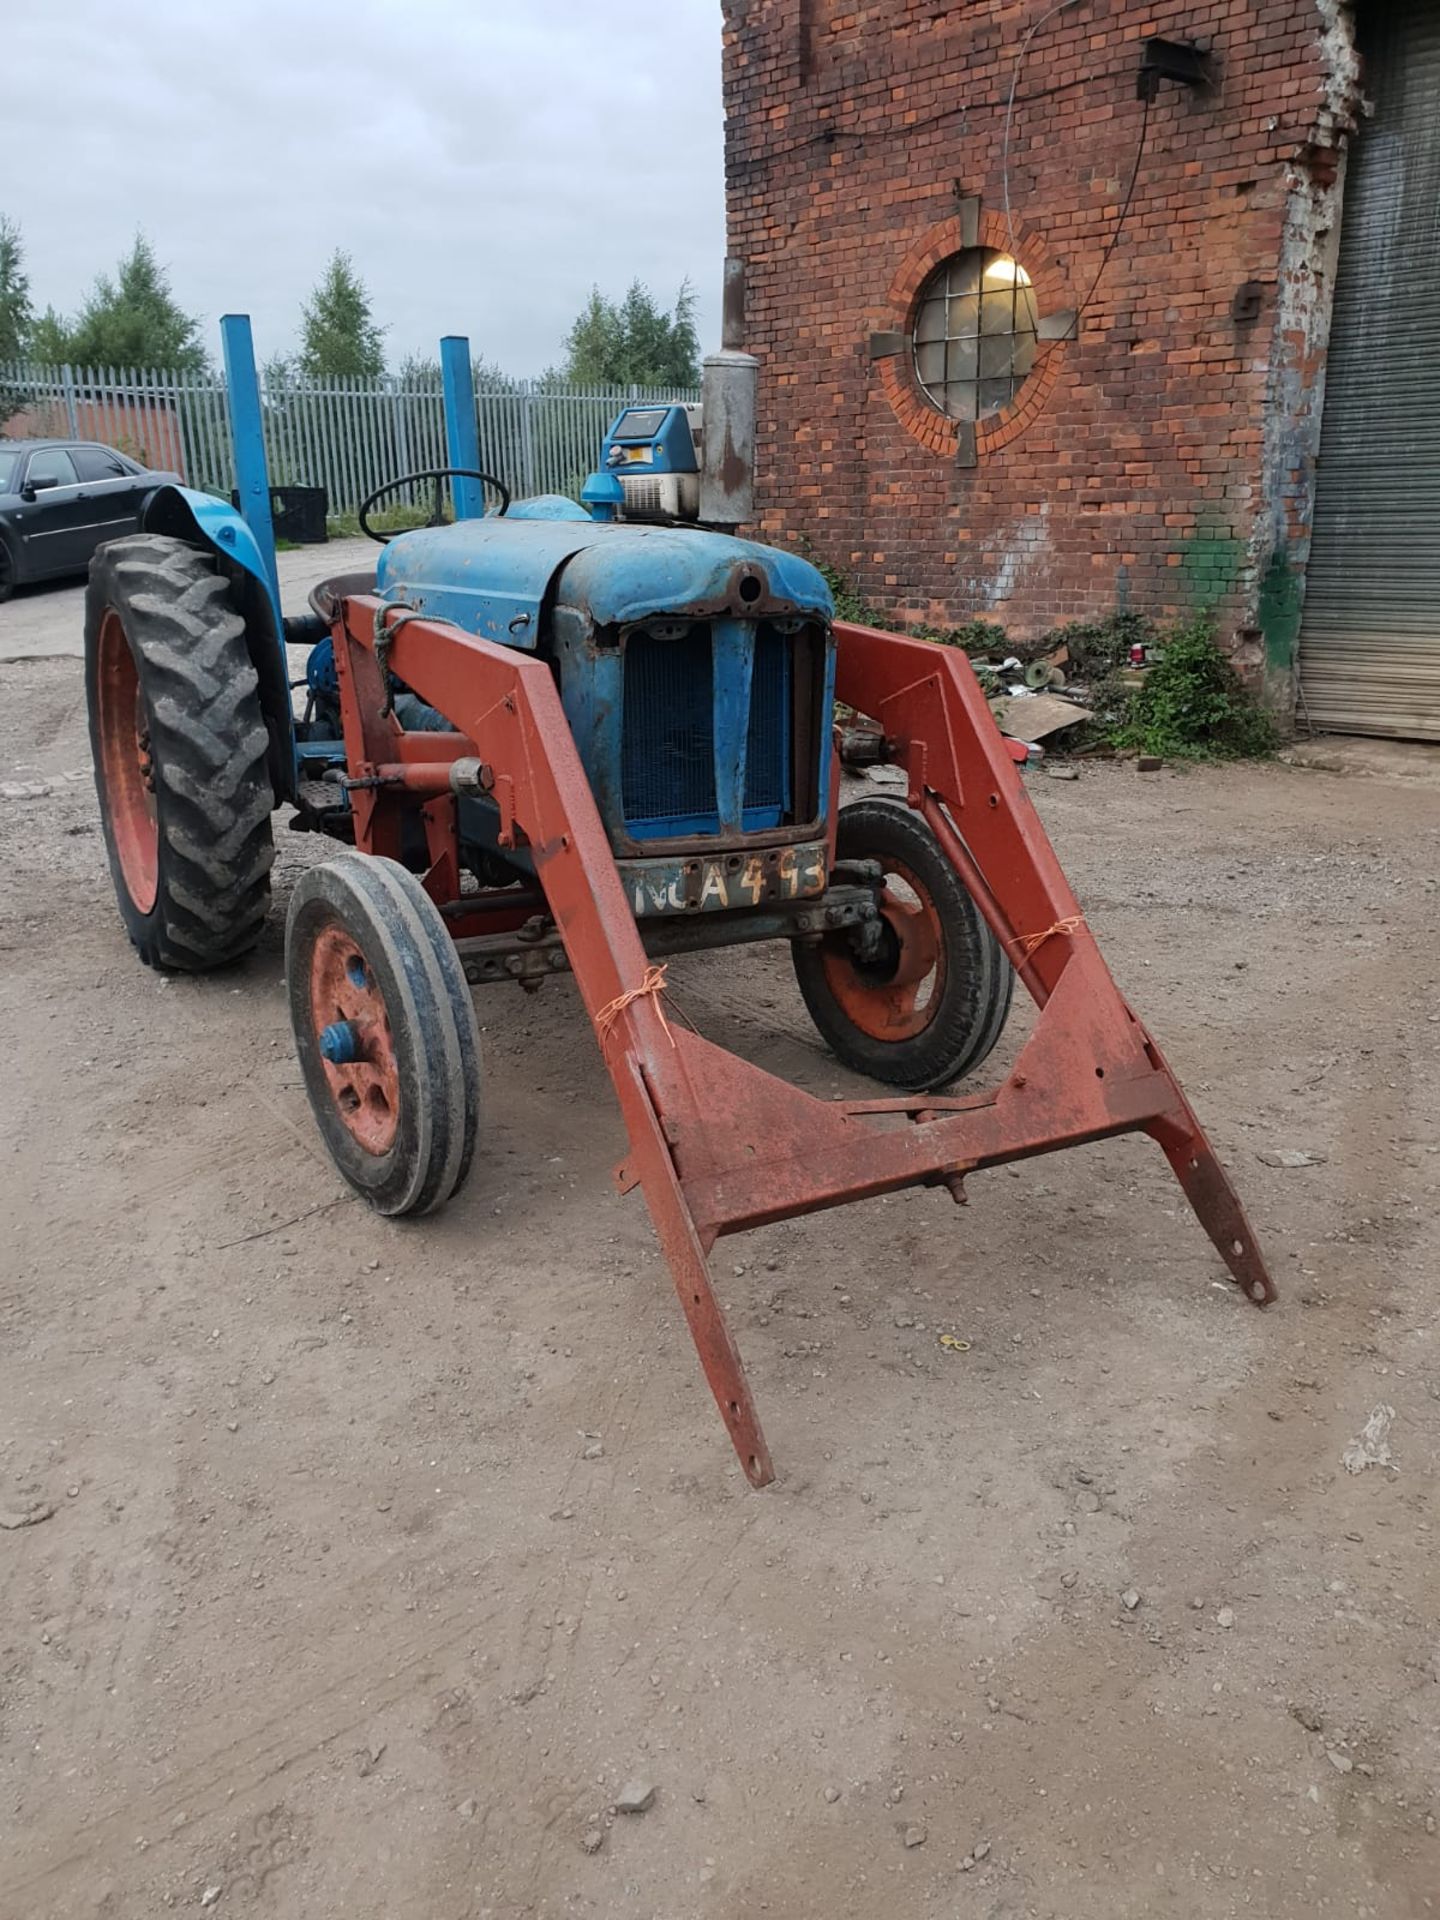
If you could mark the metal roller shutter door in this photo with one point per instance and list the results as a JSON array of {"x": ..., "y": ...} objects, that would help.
[{"x": 1370, "y": 637}]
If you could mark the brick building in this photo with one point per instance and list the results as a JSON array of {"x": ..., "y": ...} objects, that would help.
[{"x": 1082, "y": 365}]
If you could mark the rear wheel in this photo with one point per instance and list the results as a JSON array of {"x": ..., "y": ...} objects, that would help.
[
  {"x": 179, "y": 743},
  {"x": 931, "y": 1001},
  {"x": 385, "y": 1031}
]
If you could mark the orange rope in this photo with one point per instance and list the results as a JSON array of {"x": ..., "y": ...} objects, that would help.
[
  {"x": 652, "y": 984},
  {"x": 1027, "y": 943}
]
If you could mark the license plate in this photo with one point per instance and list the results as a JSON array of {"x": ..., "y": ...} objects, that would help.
[{"x": 724, "y": 882}]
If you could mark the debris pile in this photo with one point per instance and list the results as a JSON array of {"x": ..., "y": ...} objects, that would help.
[{"x": 1054, "y": 690}]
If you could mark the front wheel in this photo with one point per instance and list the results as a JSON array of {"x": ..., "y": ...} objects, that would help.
[
  {"x": 385, "y": 1031},
  {"x": 931, "y": 1001}
]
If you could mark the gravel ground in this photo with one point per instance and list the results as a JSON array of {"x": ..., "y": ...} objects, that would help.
[
  {"x": 47, "y": 622},
  {"x": 384, "y": 1558}
]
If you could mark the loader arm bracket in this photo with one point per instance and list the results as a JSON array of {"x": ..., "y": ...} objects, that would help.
[{"x": 720, "y": 1145}]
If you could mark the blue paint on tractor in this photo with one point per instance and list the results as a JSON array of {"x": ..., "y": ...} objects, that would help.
[
  {"x": 207, "y": 522},
  {"x": 247, "y": 428},
  {"x": 340, "y": 1043},
  {"x": 320, "y": 675},
  {"x": 547, "y": 506},
  {"x": 462, "y": 435},
  {"x": 675, "y": 677},
  {"x": 701, "y": 728},
  {"x": 732, "y": 644},
  {"x": 603, "y": 495},
  {"x": 696, "y": 670},
  {"x": 184, "y": 513},
  {"x": 632, "y": 572},
  {"x": 490, "y": 577}
]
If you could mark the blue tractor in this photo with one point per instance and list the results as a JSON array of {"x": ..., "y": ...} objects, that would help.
[
  {"x": 695, "y": 671},
  {"x": 555, "y": 737}
]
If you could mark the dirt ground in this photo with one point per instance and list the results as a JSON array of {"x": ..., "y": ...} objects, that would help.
[{"x": 342, "y": 1611}]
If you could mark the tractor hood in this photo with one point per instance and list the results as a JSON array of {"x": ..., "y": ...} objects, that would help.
[{"x": 491, "y": 576}]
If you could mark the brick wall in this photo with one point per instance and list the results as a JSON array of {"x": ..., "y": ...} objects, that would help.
[
  {"x": 864, "y": 143},
  {"x": 147, "y": 430}
]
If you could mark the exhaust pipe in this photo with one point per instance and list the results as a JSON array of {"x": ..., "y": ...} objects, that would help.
[{"x": 729, "y": 393}]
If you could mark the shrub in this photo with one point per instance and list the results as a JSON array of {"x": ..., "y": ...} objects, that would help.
[{"x": 1192, "y": 705}]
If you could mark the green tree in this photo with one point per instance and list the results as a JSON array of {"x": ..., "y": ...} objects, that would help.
[
  {"x": 17, "y": 318},
  {"x": 633, "y": 342},
  {"x": 16, "y": 315},
  {"x": 50, "y": 340},
  {"x": 339, "y": 336},
  {"x": 421, "y": 372},
  {"x": 132, "y": 320}
]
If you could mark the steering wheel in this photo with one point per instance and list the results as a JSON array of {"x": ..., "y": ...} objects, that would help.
[{"x": 437, "y": 474}]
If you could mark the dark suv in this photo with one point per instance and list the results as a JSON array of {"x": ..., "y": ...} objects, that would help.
[{"x": 60, "y": 499}]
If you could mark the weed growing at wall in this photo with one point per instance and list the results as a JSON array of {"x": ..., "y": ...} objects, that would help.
[{"x": 1190, "y": 704}]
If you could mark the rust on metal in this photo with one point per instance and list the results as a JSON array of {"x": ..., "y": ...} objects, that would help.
[
  {"x": 898, "y": 1010},
  {"x": 732, "y": 305},
  {"x": 727, "y": 881},
  {"x": 719, "y": 1145},
  {"x": 344, "y": 991},
  {"x": 126, "y": 763}
]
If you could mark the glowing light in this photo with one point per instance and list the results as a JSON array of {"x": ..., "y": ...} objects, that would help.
[{"x": 1007, "y": 273}]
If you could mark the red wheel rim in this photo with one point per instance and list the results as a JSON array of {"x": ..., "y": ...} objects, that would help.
[
  {"x": 366, "y": 1092},
  {"x": 126, "y": 767},
  {"x": 897, "y": 997}
]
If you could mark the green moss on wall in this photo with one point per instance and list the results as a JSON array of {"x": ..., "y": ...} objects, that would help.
[{"x": 1280, "y": 613}]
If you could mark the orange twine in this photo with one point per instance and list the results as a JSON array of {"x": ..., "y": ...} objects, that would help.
[
  {"x": 1027, "y": 943},
  {"x": 653, "y": 984}
]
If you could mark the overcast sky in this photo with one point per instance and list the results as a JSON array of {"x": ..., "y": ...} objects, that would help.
[{"x": 484, "y": 162}]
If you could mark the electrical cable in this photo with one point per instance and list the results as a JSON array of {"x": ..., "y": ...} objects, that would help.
[
  {"x": 1074, "y": 333},
  {"x": 1063, "y": 6},
  {"x": 830, "y": 131},
  {"x": 1125, "y": 206}
]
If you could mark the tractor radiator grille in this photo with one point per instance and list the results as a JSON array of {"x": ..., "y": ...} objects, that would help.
[
  {"x": 767, "y": 755},
  {"x": 667, "y": 749}
]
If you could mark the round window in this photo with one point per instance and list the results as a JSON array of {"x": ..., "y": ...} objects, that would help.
[{"x": 975, "y": 333}]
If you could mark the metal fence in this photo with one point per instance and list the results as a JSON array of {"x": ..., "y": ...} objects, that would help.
[{"x": 346, "y": 435}]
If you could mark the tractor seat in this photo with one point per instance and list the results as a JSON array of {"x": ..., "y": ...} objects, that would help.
[{"x": 326, "y": 597}]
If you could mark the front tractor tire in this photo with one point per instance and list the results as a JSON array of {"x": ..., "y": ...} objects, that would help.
[
  {"x": 930, "y": 1004},
  {"x": 180, "y": 747},
  {"x": 385, "y": 1031}
]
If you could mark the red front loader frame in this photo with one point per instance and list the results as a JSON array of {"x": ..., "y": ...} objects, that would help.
[{"x": 717, "y": 1144}]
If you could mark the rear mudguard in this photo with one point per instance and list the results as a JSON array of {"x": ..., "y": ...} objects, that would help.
[{"x": 204, "y": 521}]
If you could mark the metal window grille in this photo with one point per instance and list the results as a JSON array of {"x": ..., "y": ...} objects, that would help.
[{"x": 975, "y": 333}]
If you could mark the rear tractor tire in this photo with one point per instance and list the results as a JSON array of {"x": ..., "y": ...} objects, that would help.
[
  {"x": 931, "y": 1004},
  {"x": 180, "y": 748},
  {"x": 385, "y": 1031}
]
